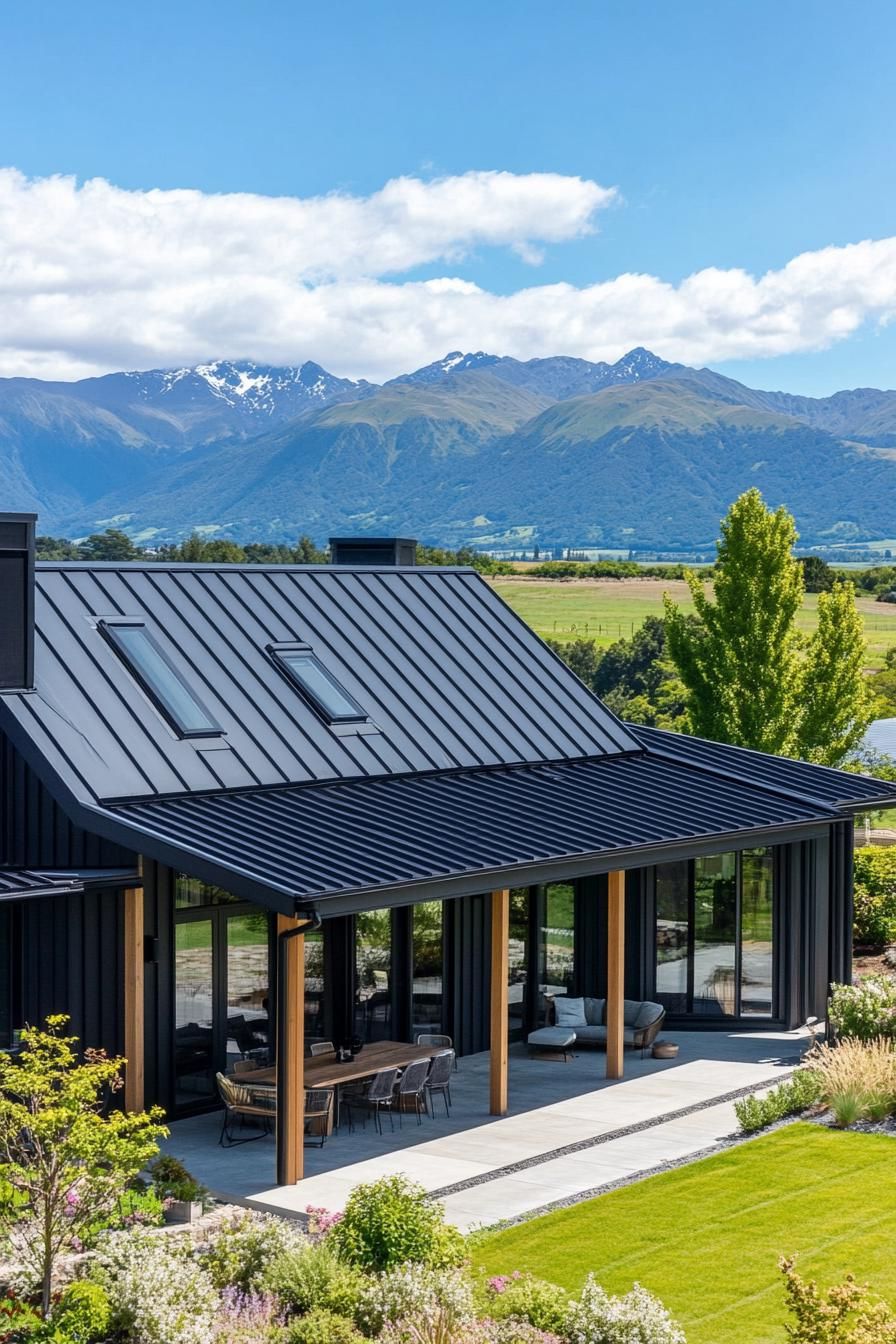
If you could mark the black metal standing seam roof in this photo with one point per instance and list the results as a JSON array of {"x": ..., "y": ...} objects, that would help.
[
  {"x": 326, "y": 841},
  {"x": 17, "y": 884},
  {"x": 450, "y": 676}
]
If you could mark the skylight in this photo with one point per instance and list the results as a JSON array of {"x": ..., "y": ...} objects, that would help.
[
  {"x": 160, "y": 679},
  {"x": 319, "y": 687}
]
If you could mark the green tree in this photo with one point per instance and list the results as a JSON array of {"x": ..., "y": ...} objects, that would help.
[
  {"x": 750, "y": 678},
  {"x": 113, "y": 544},
  {"x": 818, "y": 575},
  {"x": 63, "y": 1162},
  {"x": 580, "y": 655}
]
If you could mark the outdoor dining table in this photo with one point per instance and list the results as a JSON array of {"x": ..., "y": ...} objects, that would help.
[{"x": 327, "y": 1071}]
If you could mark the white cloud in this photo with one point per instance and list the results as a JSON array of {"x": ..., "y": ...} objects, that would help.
[{"x": 94, "y": 278}]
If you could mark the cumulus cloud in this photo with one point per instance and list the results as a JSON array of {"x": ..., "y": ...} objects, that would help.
[{"x": 95, "y": 278}]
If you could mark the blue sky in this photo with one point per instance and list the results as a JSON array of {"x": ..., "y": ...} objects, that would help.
[{"x": 738, "y": 136}]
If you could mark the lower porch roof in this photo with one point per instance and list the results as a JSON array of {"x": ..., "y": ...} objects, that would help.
[{"x": 356, "y": 845}]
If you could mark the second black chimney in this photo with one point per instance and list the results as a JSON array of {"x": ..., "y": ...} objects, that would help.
[
  {"x": 372, "y": 551},
  {"x": 17, "y": 601}
]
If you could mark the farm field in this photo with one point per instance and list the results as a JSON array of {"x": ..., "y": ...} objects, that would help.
[
  {"x": 609, "y": 609},
  {"x": 706, "y": 1238}
]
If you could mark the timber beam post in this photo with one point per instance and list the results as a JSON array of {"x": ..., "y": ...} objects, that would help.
[
  {"x": 498, "y": 1015},
  {"x": 291, "y": 1047},
  {"x": 615, "y": 973}
]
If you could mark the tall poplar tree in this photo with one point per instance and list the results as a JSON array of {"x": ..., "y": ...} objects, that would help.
[{"x": 751, "y": 679}]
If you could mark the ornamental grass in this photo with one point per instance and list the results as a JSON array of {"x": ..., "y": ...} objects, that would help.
[{"x": 858, "y": 1079}]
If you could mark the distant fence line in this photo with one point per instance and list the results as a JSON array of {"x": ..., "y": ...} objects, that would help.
[{"x": 597, "y": 628}]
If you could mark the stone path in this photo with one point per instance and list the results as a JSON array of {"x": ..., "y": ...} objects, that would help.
[{"x": 558, "y": 1152}]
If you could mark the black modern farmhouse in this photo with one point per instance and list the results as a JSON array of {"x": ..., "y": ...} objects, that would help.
[{"x": 245, "y": 807}]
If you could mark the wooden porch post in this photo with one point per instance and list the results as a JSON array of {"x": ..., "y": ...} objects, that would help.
[
  {"x": 133, "y": 999},
  {"x": 290, "y": 1052},
  {"x": 615, "y": 972},
  {"x": 498, "y": 1033}
]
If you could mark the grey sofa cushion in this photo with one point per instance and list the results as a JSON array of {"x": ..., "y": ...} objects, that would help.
[
  {"x": 649, "y": 1012},
  {"x": 631, "y": 1009},
  {"x": 594, "y": 1011},
  {"x": 591, "y": 1035},
  {"x": 569, "y": 1012}
]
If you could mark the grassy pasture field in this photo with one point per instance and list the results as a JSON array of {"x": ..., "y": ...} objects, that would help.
[
  {"x": 609, "y": 609},
  {"x": 706, "y": 1237}
]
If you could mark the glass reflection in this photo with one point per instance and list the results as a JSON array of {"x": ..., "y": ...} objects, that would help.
[
  {"x": 373, "y": 975},
  {"x": 193, "y": 1008},
  {"x": 715, "y": 934},
  {"x": 672, "y": 930},
  {"x": 427, "y": 947},
  {"x": 315, "y": 1028},
  {"x": 756, "y": 933},
  {"x": 558, "y": 939},
  {"x": 517, "y": 960},
  {"x": 248, "y": 973}
]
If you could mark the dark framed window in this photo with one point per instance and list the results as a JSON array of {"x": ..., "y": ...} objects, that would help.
[
  {"x": 160, "y": 678},
  {"x": 714, "y": 935},
  {"x": 317, "y": 684}
]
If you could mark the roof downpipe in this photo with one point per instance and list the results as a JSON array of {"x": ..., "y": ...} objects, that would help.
[{"x": 17, "y": 601}]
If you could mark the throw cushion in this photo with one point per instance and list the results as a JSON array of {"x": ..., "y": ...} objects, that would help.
[
  {"x": 594, "y": 1012},
  {"x": 630, "y": 1010},
  {"x": 569, "y": 1012},
  {"x": 649, "y": 1013}
]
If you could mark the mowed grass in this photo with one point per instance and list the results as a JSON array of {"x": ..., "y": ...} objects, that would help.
[
  {"x": 706, "y": 1238},
  {"x": 611, "y": 609}
]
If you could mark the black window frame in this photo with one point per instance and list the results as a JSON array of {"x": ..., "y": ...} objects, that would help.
[
  {"x": 108, "y": 628},
  {"x": 277, "y": 651}
]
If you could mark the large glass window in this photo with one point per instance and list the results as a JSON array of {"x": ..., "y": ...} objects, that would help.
[
  {"x": 518, "y": 960},
  {"x": 714, "y": 939},
  {"x": 248, "y": 986},
  {"x": 315, "y": 1002},
  {"x": 373, "y": 975},
  {"x": 558, "y": 939},
  {"x": 673, "y": 903},
  {"x": 427, "y": 951},
  {"x": 194, "y": 996}
]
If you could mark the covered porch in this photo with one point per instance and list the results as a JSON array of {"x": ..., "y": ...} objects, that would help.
[{"x": 567, "y": 1130}]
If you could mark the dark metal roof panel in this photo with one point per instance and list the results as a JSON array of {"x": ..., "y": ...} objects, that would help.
[
  {"x": 18, "y": 884},
  {"x": 323, "y": 841},
  {"x": 797, "y": 779},
  {"x": 448, "y": 674}
]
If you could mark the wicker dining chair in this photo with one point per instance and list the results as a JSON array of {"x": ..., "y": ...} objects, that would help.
[
  {"x": 378, "y": 1098},
  {"x": 439, "y": 1080},
  {"x": 241, "y": 1100},
  {"x": 438, "y": 1041},
  {"x": 318, "y": 1114}
]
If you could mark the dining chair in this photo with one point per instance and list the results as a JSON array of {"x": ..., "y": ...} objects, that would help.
[
  {"x": 258, "y": 1104},
  {"x": 411, "y": 1086},
  {"x": 322, "y": 1048},
  {"x": 318, "y": 1114},
  {"x": 438, "y": 1040},
  {"x": 439, "y": 1080},
  {"x": 378, "y": 1098}
]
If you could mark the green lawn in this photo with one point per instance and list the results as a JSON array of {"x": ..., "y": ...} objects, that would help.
[
  {"x": 611, "y": 609},
  {"x": 706, "y": 1237}
]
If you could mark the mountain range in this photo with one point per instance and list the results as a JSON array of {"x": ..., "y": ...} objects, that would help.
[{"x": 474, "y": 448}]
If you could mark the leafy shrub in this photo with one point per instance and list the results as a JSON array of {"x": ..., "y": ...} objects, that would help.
[
  {"x": 241, "y": 1251},
  {"x": 323, "y": 1327},
  {"x": 391, "y": 1221},
  {"x": 415, "y": 1292},
  {"x": 857, "y": 1079},
  {"x": 866, "y": 1010},
  {"x": 83, "y": 1313},
  {"x": 511, "y": 1332},
  {"x": 17, "y": 1317},
  {"x": 312, "y": 1277},
  {"x": 171, "y": 1180},
  {"x": 844, "y": 1314},
  {"x": 636, "y": 1318},
  {"x": 158, "y": 1293},
  {"x": 875, "y": 895},
  {"x": 800, "y": 1091},
  {"x": 522, "y": 1297}
]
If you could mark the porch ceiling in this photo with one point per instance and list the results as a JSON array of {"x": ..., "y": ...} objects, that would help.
[{"x": 377, "y": 842}]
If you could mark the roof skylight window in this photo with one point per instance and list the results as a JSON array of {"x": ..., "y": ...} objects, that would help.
[
  {"x": 159, "y": 677},
  {"x": 318, "y": 686}
]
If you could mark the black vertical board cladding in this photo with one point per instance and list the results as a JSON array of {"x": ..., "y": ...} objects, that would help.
[
  {"x": 841, "y": 902},
  {"x": 74, "y": 947},
  {"x": 468, "y": 927},
  {"x": 339, "y": 978},
  {"x": 402, "y": 972},
  {"x": 819, "y": 922},
  {"x": 591, "y": 934},
  {"x": 35, "y": 831},
  {"x": 790, "y": 868}
]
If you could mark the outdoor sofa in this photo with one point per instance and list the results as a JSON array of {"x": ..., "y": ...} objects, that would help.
[{"x": 582, "y": 1021}]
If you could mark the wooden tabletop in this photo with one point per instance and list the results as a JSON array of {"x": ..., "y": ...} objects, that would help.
[{"x": 326, "y": 1071}]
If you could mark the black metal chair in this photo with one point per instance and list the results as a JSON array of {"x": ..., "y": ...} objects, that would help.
[
  {"x": 438, "y": 1041},
  {"x": 318, "y": 1114},
  {"x": 439, "y": 1080},
  {"x": 411, "y": 1086},
  {"x": 378, "y": 1098}
]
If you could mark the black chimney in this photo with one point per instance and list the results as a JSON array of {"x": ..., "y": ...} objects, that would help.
[
  {"x": 372, "y": 551},
  {"x": 17, "y": 601}
]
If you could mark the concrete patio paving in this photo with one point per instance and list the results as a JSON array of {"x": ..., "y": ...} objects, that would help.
[{"x": 569, "y": 1131}]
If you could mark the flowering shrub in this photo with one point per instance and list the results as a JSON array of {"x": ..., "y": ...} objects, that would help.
[
  {"x": 511, "y": 1331},
  {"x": 323, "y": 1327},
  {"x": 312, "y": 1276},
  {"x": 241, "y": 1251},
  {"x": 159, "y": 1294},
  {"x": 844, "y": 1314},
  {"x": 391, "y": 1221},
  {"x": 865, "y": 1010},
  {"x": 248, "y": 1318},
  {"x": 415, "y": 1292},
  {"x": 524, "y": 1298},
  {"x": 875, "y": 895},
  {"x": 321, "y": 1221},
  {"x": 636, "y": 1318}
]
